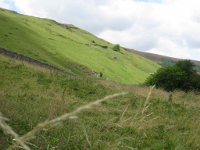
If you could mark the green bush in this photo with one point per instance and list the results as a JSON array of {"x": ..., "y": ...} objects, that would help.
[
  {"x": 116, "y": 47},
  {"x": 181, "y": 76}
]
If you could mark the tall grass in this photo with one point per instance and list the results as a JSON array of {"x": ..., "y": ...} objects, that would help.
[
  {"x": 30, "y": 134},
  {"x": 142, "y": 119}
]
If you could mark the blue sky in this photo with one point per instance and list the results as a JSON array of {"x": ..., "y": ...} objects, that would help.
[
  {"x": 11, "y": 4},
  {"x": 167, "y": 27}
]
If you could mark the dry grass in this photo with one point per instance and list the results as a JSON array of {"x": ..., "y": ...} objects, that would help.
[
  {"x": 147, "y": 100},
  {"x": 140, "y": 119},
  {"x": 9, "y": 130},
  {"x": 21, "y": 140}
]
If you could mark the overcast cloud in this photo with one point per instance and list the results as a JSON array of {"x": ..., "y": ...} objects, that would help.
[{"x": 168, "y": 27}]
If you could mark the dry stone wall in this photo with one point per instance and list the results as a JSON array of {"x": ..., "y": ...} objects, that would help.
[{"x": 31, "y": 60}]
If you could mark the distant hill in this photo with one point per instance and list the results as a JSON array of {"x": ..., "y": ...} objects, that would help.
[
  {"x": 71, "y": 49},
  {"x": 162, "y": 60}
]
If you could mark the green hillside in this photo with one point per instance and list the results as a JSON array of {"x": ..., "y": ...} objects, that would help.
[
  {"x": 70, "y": 48},
  {"x": 31, "y": 97}
]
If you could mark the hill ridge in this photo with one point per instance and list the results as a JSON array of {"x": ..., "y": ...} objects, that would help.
[
  {"x": 162, "y": 59},
  {"x": 70, "y": 48}
]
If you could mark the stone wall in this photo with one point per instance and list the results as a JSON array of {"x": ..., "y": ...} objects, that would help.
[{"x": 32, "y": 61}]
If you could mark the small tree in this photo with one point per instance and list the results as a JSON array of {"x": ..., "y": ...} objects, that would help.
[
  {"x": 180, "y": 76},
  {"x": 187, "y": 66},
  {"x": 116, "y": 47}
]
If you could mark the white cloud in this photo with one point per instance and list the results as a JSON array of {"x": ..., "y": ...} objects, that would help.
[
  {"x": 168, "y": 47},
  {"x": 3, "y": 4},
  {"x": 169, "y": 27}
]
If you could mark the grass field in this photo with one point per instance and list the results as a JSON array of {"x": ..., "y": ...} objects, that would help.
[
  {"x": 70, "y": 48},
  {"x": 41, "y": 109},
  {"x": 138, "y": 120}
]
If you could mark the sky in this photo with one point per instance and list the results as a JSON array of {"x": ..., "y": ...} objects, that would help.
[{"x": 166, "y": 27}]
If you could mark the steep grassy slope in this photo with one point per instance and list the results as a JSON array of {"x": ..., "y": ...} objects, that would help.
[
  {"x": 70, "y": 48},
  {"x": 30, "y": 95},
  {"x": 162, "y": 60}
]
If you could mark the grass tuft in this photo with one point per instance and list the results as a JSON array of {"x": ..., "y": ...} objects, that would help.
[{"x": 9, "y": 130}]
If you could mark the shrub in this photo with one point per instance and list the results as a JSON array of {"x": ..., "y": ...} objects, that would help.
[
  {"x": 180, "y": 76},
  {"x": 116, "y": 47},
  {"x": 101, "y": 74}
]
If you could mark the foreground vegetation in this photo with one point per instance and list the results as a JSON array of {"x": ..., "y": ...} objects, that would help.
[
  {"x": 138, "y": 120},
  {"x": 70, "y": 48}
]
